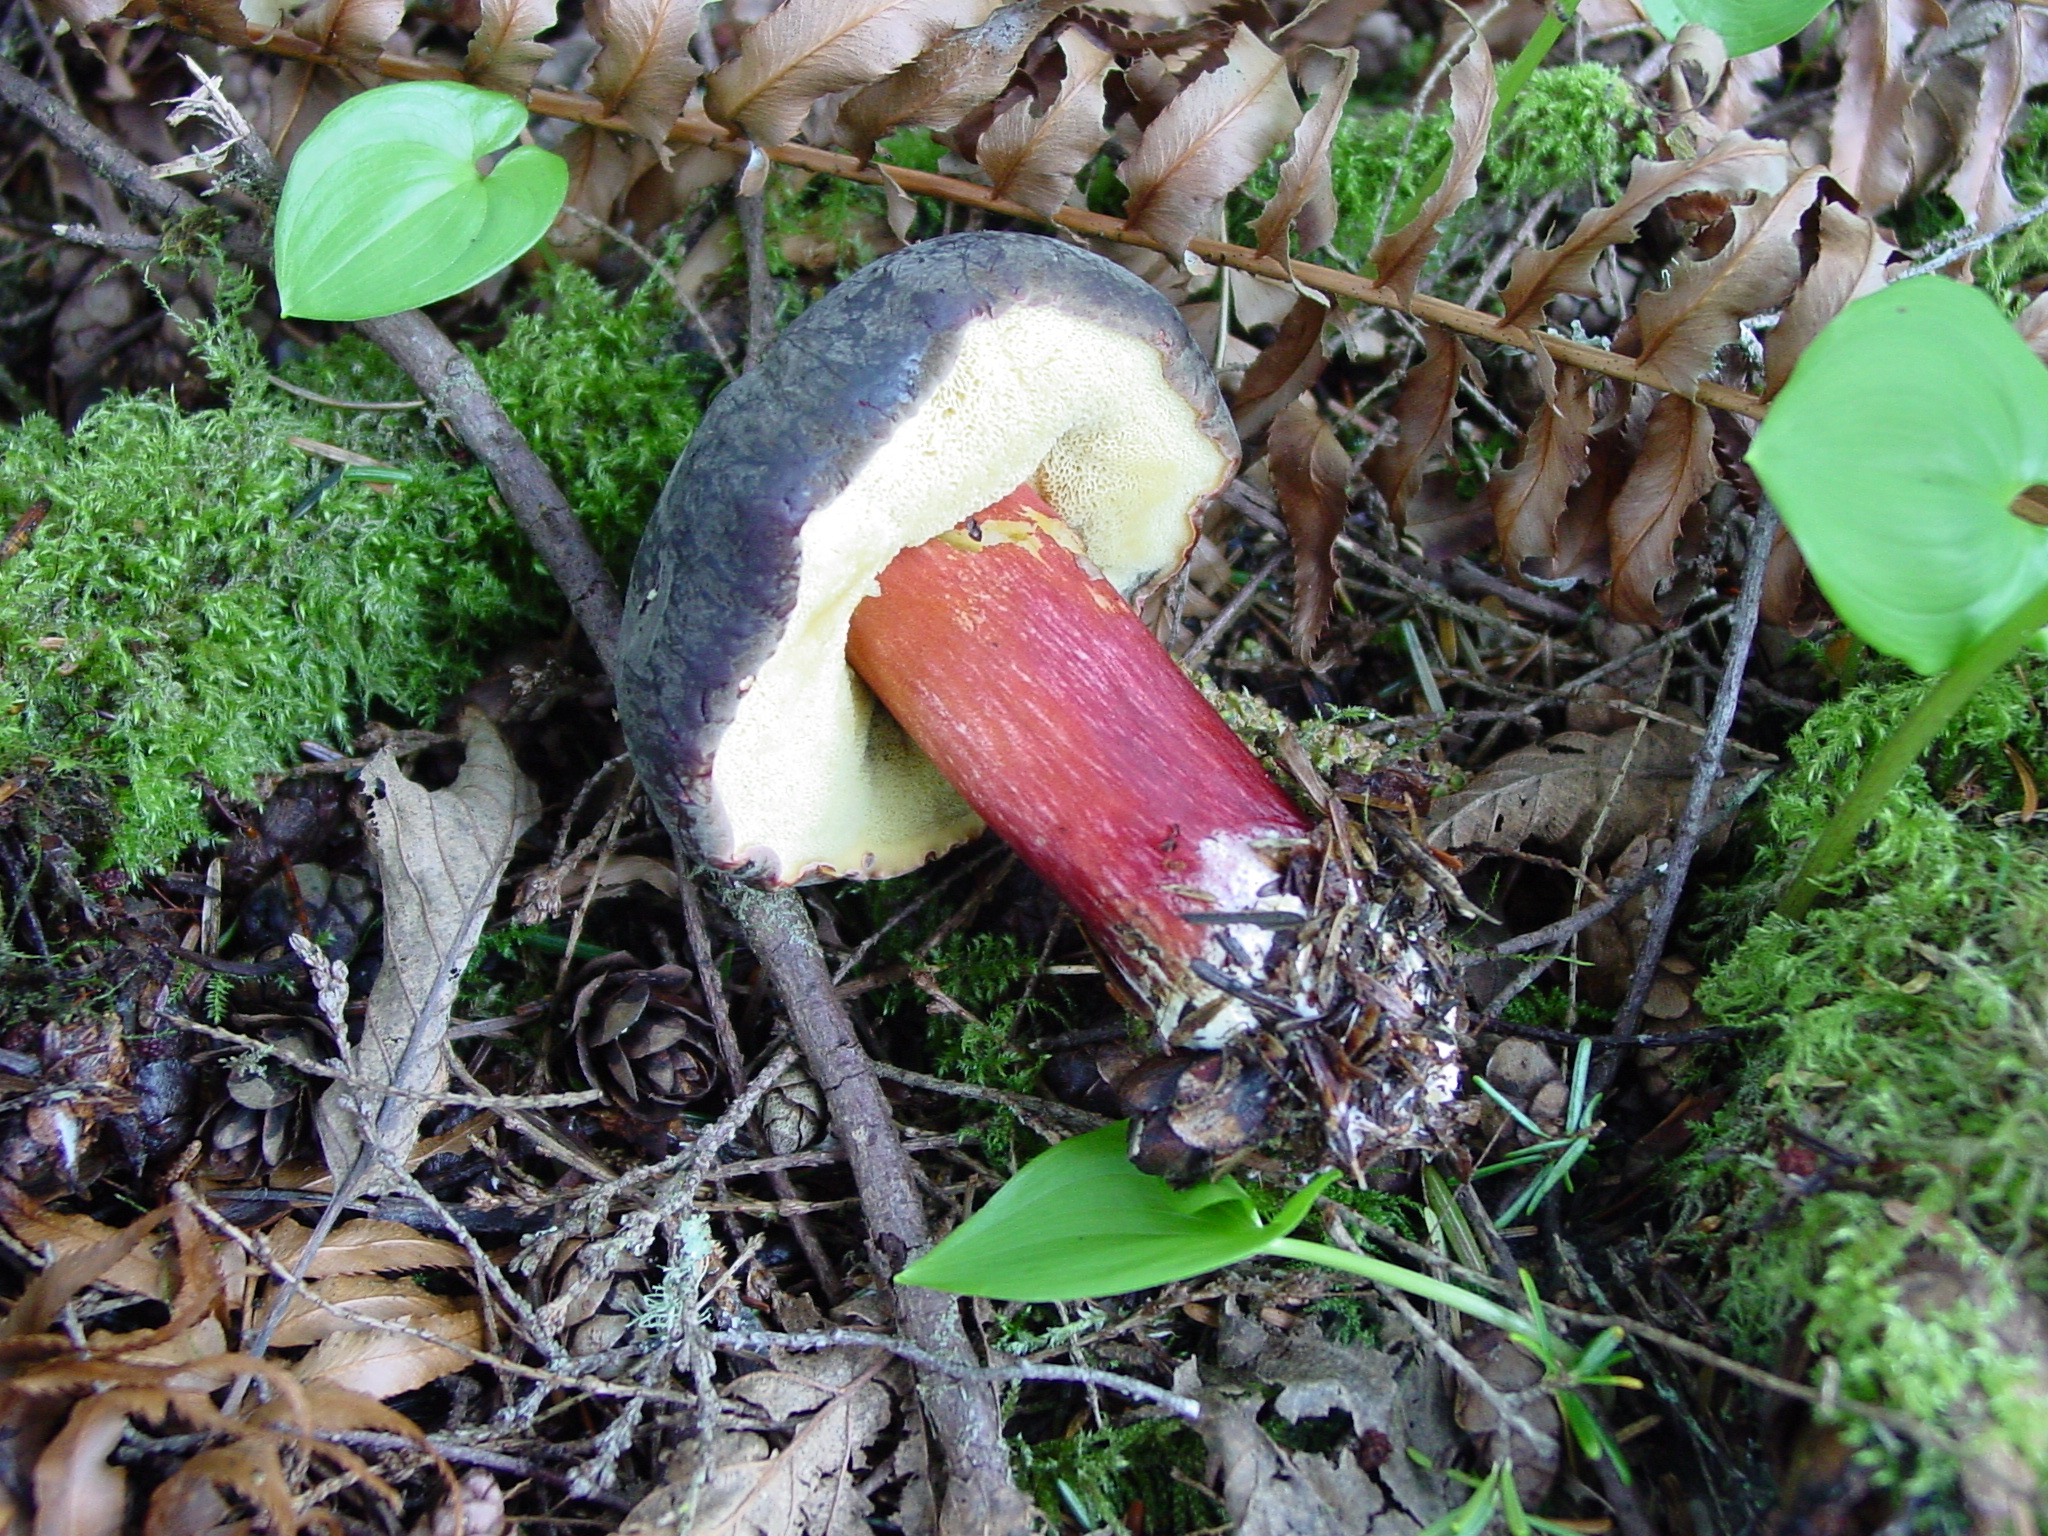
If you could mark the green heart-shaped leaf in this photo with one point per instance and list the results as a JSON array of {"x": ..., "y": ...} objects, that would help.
[
  {"x": 384, "y": 209},
  {"x": 1896, "y": 452},
  {"x": 1080, "y": 1221},
  {"x": 1744, "y": 25}
]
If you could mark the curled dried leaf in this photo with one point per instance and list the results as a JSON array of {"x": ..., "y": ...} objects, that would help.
[
  {"x": 1871, "y": 150},
  {"x": 2032, "y": 325},
  {"x": 1305, "y": 202},
  {"x": 807, "y": 49},
  {"x": 1673, "y": 470},
  {"x": 2014, "y": 62},
  {"x": 1311, "y": 476},
  {"x": 1290, "y": 363},
  {"x": 351, "y": 30},
  {"x": 1734, "y": 163},
  {"x": 644, "y": 69},
  {"x": 381, "y": 1363},
  {"x": 1424, "y": 414},
  {"x": 503, "y": 54},
  {"x": 937, "y": 89},
  {"x": 220, "y": 20},
  {"x": 1399, "y": 257},
  {"x": 1032, "y": 156},
  {"x": 1211, "y": 137},
  {"x": 1685, "y": 325},
  {"x": 1849, "y": 261},
  {"x": 364, "y": 1246},
  {"x": 1529, "y": 499}
]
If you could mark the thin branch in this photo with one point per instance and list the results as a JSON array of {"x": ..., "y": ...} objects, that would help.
[
  {"x": 1705, "y": 774},
  {"x": 849, "y": 1338},
  {"x": 694, "y": 129}
]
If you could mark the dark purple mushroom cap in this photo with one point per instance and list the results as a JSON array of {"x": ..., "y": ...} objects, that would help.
[{"x": 922, "y": 389}]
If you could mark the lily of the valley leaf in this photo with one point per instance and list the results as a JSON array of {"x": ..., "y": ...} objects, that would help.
[
  {"x": 384, "y": 209},
  {"x": 1901, "y": 454}
]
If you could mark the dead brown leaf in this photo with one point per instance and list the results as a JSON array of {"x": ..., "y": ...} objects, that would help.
[
  {"x": 1879, "y": 144},
  {"x": 249, "y": 1468},
  {"x": 140, "y": 1272},
  {"x": 1031, "y": 156},
  {"x": 807, "y": 49},
  {"x": 1311, "y": 476},
  {"x": 1556, "y": 793},
  {"x": 364, "y": 1246},
  {"x": 379, "y": 1363},
  {"x": 1850, "y": 257},
  {"x": 77, "y": 1491},
  {"x": 440, "y": 856},
  {"x": 1399, "y": 257},
  {"x": 1685, "y": 325},
  {"x": 1735, "y": 163},
  {"x": 837, "y": 1406},
  {"x": 1529, "y": 498},
  {"x": 220, "y": 20},
  {"x": 937, "y": 89},
  {"x": 1210, "y": 138},
  {"x": 1424, "y": 414},
  {"x": 1791, "y": 601},
  {"x": 2032, "y": 325},
  {"x": 2014, "y": 62},
  {"x": 503, "y": 54},
  {"x": 353, "y": 30},
  {"x": 644, "y": 69},
  {"x": 1673, "y": 470},
  {"x": 1285, "y": 367},
  {"x": 345, "y": 1297},
  {"x": 1304, "y": 201}
]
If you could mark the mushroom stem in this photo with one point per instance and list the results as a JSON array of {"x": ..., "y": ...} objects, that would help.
[{"x": 1050, "y": 707}]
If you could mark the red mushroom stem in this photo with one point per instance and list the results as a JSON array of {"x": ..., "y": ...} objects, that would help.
[{"x": 1050, "y": 707}]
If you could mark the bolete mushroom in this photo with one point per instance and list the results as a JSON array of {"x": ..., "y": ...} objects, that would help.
[{"x": 887, "y": 597}]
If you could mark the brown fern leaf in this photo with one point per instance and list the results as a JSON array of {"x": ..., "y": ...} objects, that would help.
[
  {"x": 1398, "y": 258},
  {"x": 1032, "y": 156},
  {"x": 644, "y": 69},
  {"x": 2014, "y": 63},
  {"x": 1424, "y": 415},
  {"x": 1734, "y": 163},
  {"x": 503, "y": 54},
  {"x": 1285, "y": 367},
  {"x": 1212, "y": 136},
  {"x": 939, "y": 88},
  {"x": 1529, "y": 499},
  {"x": 351, "y": 30},
  {"x": 1673, "y": 470},
  {"x": 1685, "y": 325},
  {"x": 1305, "y": 201},
  {"x": 220, "y": 20},
  {"x": 1311, "y": 476},
  {"x": 1850, "y": 257},
  {"x": 1870, "y": 148},
  {"x": 807, "y": 49}
]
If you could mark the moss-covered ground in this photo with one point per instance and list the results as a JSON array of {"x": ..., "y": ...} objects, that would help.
[{"x": 1875, "y": 1184}]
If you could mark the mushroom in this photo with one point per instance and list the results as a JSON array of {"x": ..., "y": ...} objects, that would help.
[{"x": 887, "y": 597}]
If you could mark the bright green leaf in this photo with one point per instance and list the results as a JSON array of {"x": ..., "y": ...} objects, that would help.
[
  {"x": 1079, "y": 1221},
  {"x": 384, "y": 209},
  {"x": 1744, "y": 25},
  {"x": 1895, "y": 454}
]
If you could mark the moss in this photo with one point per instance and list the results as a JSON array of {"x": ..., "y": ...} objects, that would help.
[
  {"x": 1095, "y": 1477},
  {"x": 1893, "y": 1122},
  {"x": 1572, "y": 124},
  {"x": 200, "y": 597}
]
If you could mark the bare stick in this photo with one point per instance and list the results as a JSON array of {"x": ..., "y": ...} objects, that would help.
[
  {"x": 1706, "y": 772},
  {"x": 979, "y": 1495}
]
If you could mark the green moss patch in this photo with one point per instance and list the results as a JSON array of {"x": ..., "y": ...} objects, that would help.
[
  {"x": 1881, "y": 1168},
  {"x": 200, "y": 597}
]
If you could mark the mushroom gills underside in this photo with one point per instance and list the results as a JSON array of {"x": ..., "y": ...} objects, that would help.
[{"x": 811, "y": 779}]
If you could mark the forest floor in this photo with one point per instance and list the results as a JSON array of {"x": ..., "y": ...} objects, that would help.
[{"x": 274, "y": 650}]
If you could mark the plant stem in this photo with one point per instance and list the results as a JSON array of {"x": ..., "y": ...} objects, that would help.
[
  {"x": 1428, "y": 1287},
  {"x": 1920, "y": 728}
]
